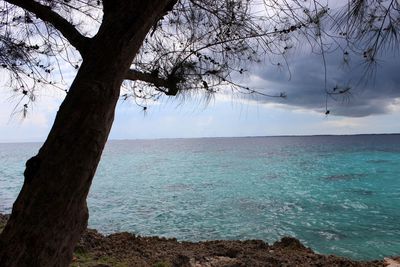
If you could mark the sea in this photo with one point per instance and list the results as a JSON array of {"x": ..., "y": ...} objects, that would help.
[{"x": 337, "y": 194}]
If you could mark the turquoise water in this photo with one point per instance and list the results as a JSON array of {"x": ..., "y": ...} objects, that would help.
[{"x": 337, "y": 194}]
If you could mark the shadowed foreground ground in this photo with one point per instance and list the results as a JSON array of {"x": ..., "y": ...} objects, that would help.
[{"x": 126, "y": 249}]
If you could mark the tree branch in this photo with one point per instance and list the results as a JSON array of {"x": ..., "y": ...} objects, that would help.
[
  {"x": 45, "y": 13},
  {"x": 154, "y": 79}
]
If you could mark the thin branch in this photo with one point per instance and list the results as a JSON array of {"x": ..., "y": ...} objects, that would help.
[
  {"x": 153, "y": 79},
  {"x": 45, "y": 13}
]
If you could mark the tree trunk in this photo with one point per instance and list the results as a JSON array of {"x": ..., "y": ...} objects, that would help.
[{"x": 50, "y": 212}]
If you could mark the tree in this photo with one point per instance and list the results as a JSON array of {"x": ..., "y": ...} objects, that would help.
[{"x": 150, "y": 48}]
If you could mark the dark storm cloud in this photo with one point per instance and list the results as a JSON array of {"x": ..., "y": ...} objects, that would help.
[{"x": 371, "y": 93}]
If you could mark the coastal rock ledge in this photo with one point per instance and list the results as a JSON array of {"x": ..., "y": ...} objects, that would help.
[{"x": 127, "y": 249}]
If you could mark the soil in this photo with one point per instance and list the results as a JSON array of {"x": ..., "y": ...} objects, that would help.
[{"x": 127, "y": 249}]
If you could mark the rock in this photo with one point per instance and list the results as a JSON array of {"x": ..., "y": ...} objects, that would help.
[
  {"x": 391, "y": 262},
  {"x": 89, "y": 239},
  {"x": 181, "y": 261},
  {"x": 292, "y": 244},
  {"x": 130, "y": 250}
]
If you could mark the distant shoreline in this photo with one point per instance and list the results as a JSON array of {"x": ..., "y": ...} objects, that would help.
[
  {"x": 251, "y": 136},
  {"x": 218, "y": 137}
]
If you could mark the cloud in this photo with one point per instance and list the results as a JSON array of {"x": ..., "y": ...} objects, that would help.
[{"x": 371, "y": 93}]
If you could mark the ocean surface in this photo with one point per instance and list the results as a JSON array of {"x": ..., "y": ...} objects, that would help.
[{"x": 337, "y": 194}]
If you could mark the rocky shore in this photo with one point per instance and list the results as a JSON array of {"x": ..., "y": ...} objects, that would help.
[{"x": 126, "y": 249}]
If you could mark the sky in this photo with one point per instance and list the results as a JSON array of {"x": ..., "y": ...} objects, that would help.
[{"x": 372, "y": 107}]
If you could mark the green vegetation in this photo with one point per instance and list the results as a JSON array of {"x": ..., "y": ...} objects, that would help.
[
  {"x": 163, "y": 264},
  {"x": 83, "y": 259}
]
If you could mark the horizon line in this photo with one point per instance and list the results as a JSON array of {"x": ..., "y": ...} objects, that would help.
[{"x": 217, "y": 137}]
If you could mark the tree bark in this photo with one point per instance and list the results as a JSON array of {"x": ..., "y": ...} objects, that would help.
[{"x": 50, "y": 212}]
